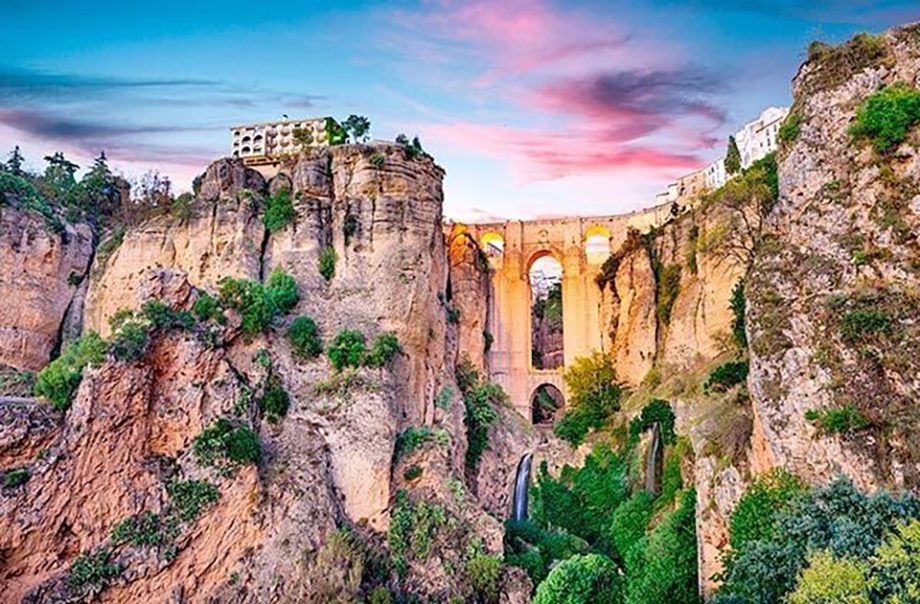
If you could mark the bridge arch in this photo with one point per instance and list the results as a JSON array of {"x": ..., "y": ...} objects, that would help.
[{"x": 546, "y": 403}]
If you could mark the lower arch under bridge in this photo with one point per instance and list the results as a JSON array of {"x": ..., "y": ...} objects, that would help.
[{"x": 580, "y": 245}]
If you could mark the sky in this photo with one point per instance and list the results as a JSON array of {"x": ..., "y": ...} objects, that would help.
[{"x": 534, "y": 108}]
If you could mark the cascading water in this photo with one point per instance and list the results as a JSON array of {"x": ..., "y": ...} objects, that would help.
[
  {"x": 653, "y": 460},
  {"x": 521, "y": 486}
]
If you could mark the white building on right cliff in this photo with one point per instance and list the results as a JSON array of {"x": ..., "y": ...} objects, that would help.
[{"x": 755, "y": 141}]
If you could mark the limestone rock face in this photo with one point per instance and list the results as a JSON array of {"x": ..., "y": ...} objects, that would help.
[
  {"x": 635, "y": 336},
  {"x": 41, "y": 273},
  {"x": 469, "y": 286},
  {"x": 222, "y": 236},
  {"x": 841, "y": 247}
]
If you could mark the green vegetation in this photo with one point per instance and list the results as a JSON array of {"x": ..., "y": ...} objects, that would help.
[
  {"x": 838, "y": 420},
  {"x": 226, "y": 446},
  {"x": 15, "y": 477},
  {"x": 787, "y": 528},
  {"x": 208, "y": 308},
  {"x": 357, "y": 127},
  {"x": 412, "y": 472},
  {"x": 279, "y": 210},
  {"x": 630, "y": 523},
  {"x": 327, "y": 260},
  {"x": 656, "y": 411},
  {"x": 412, "y": 148},
  {"x": 350, "y": 224},
  {"x": 347, "y": 349},
  {"x": 726, "y": 376},
  {"x": 275, "y": 402},
  {"x": 594, "y": 396},
  {"x": 859, "y": 325},
  {"x": 886, "y": 117},
  {"x": 335, "y": 134},
  {"x": 59, "y": 380},
  {"x": 141, "y": 530},
  {"x": 732, "y": 157},
  {"x": 258, "y": 304},
  {"x": 412, "y": 528},
  {"x": 93, "y": 570},
  {"x": 483, "y": 573},
  {"x": 789, "y": 131},
  {"x": 668, "y": 288},
  {"x": 304, "y": 338},
  {"x": 191, "y": 497},
  {"x": 833, "y": 65},
  {"x": 480, "y": 398},
  {"x": 738, "y": 309},
  {"x": 608, "y": 272},
  {"x": 409, "y": 440},
  {"x": 384, "y": 350},
  {"x": 588, "y": 579}
]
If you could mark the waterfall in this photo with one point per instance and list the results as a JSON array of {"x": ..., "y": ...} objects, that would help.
[
  {"x": 653, "y": 460},
  {"x": 521, "y": 485}
]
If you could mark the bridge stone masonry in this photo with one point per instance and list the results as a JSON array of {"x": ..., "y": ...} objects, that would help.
[{"x": 580, "y": 245}]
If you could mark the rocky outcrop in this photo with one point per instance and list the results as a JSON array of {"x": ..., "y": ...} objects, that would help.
[
  {"x": 635, "y": 332},
  {"x": 42, "y": 270},
  {"x": 832, "y": 297},
  {"x": 469, "y": 294}
]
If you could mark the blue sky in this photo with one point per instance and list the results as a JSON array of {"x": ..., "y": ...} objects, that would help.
[{"x": 533, "y": 108}]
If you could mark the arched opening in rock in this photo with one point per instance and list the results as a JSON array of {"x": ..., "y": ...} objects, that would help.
[
  {"x": 597, "y": 244},
  {"x": 546, "y": 337},
  {"x": 545, "y": 403}
]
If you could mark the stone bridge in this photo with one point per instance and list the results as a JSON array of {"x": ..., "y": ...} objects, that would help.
[{"x": 580, "y": 245}]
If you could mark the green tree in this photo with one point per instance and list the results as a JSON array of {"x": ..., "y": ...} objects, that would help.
[
  {"x": 357, "y": 127},
  {"x": 594, "y": 394},
  {"x": 732, "y": 157},
  {"x": 895, "y": 567},
  {"x": 304, "y": 338},
  {"x": 582, "y": 579},
  {"x": 828, "y": 580},
  {"x": 15, "y": 162}
]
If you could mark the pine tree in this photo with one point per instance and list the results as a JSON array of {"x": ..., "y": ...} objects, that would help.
[
  {"x": 732, "y": 157},
  {"x": 14, "y": 164}
]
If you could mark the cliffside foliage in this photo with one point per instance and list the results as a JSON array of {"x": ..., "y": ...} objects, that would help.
[
  {"x": 838, "y": 420},
  {"x": 668, "y": 281},
  {"x": 304, "y": 337},
  {"x": 587, "y": 579},
  {"x": 227, "y": 445},
  {"x": 594, "y": 395},
  {"x": 327, "y": 260},
  {"x": 737, "y": 304},
  {"x": 279, "y": 210},
  {"x": 886, "y": 117},
  {"x": 787, "y": 528},
  {"x": 94, "y": 570},
  {"x": 59, "y": 380},
  {"x": 832, "y": 65},
  {"x": 726, "y": 376},
  {"x": 259, "y": 305},
  {"x": 659, "y": 412},
  {"x": 789, "y": 130},
  {"x": 349, "y": 349},
  {"x": 591, "y": 510},
  {"x": 732, "y": 157},
  {"x": 15, "y": 477}
]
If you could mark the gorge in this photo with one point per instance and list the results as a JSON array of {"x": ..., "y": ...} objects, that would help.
[{"x": 313, "y": 388}]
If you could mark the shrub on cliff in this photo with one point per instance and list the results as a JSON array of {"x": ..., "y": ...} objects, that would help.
[
  {"x": 279, "y": 211},
  {"x": 479, "y": 404},
  {"x": 754, "y": 516},
  {"x": 304, "y": 338},
  {"x": 594, "y": 396},
  {"x": 258, "y": 304},
  {"x": 886, "y": 117},
  {"x": 656, "y": 411},
  {"x": 275, "y": 402},
  {"x": 483, "y": 572},
  {"x": 384, "y": 349},
  {"x": 59, "y": 380},
  {"x": 838, "y": 420},
  {"x": 347, "y": 349},
  {"x": 588, "y": 579},
  {"x": 726, "y": 376},
  {"x": 630, "y": 522},
  {"x": 737, "y": 305},
  {"x": 225, "y": 446},
  {"x": 327, "y": 260},
  {"x": 94, "y": 570}
]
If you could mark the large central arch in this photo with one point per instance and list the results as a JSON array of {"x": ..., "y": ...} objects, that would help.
[{"x": 579, "y": 246}]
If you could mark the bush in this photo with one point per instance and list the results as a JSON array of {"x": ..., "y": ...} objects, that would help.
[
  {"x": 161, "y": 316},
  {"x": 347, "y": 349},
  {"x": 275, "y": 402},
  {"x": 15, "y": 477},
  {"x": 412, "y": 527},
  {"x": 630, "y": 522},
  {"x": 129, "y": 342},
  {"x": 726, "y": 376},
  {"x": 838, "y": 420},
  {"x": 789, "y": 130},
  {"x": 827, "y": 579},
  {"x": 478, "y": 416},
  {"x": 279, "y": 211},
  {"x": 59, "y": 380},
  {"x": 409, "y": 440},
  {"x": 483, "y": 573},
  {"x": 656, "y": 411},
  {"x": 141, "y": 530},
  {"x": 754, "y": 516},
  {"x": 304, "y": 338},
  {"x": 886, "y": 117},
  {"x": 588, "y": 579},
  {"x": 859, "y": 325},
  {"x": 208, "y": 308},
  {"x": 594, "y": 395},
  {"x": 282, "y": 289},
  {"x": 327, "y": 260},
  {"x": 191, "y": 497},
  {"x": 224, "y": 446},
  {"x": 412, "y": 472},
  {"x": 738, "y": 307},
  {"x": 93, "y": 569},
  {"x": 667, "y": 570},
  {"x": 895, "y": 567},
  {"x": 385, "y": 347}
]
